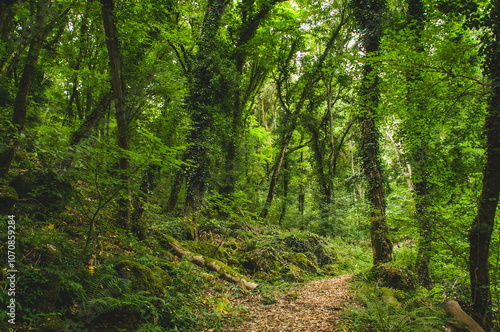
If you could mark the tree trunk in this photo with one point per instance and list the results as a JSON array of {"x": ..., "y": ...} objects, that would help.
[
  {"x": 276, "y": 173},
  {"x": 148, "y": 184},
  {"x": 286, "y": 183},
  {"x": 324, "y": 179},
  {"x": 454, "y": 309},
  {"x": 369, "y": 14},
  {"x": 21, "y": 101},
  {"x": 175, "y": 190},
  {"x": 482, "y": 227},
  {"x": 225, "y": 271},
  {"x": 90, "y": 121},
  {"x": 201, "y": 103},
  {"x": 251, "y": 22},
  {"x": 121, "y": 110}
]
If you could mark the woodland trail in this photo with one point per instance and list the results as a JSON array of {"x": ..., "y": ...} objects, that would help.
[{"x": 314, "y": 307}]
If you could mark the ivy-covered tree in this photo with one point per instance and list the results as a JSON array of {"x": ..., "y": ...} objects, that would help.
[
  {"x": 482, "y": 228},
  {"x": 369, "y": 16}
]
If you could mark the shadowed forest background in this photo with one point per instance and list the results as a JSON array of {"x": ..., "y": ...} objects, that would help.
[{"x": 163, "y": 157}]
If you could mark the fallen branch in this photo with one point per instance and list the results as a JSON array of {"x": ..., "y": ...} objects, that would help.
[
  {"x": 454, "y": 309},
  {"x": 225, "y": 271}
]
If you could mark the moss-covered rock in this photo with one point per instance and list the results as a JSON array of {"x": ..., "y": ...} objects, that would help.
[
  {"x": 303, "y": 262},
  {"x": 309, "y": 243},
  {"x": 143, "y": 278},
  {"x": 266, "y": 259},
  {"x": 292, "y": 273},
  {"x": 395, "y": 277}
]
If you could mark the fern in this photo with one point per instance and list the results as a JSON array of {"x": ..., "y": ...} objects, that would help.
[
  {"x": 106, "y": 284},
  {"x": 141, "y": 303},
  {"x": 386, "y": 314}
]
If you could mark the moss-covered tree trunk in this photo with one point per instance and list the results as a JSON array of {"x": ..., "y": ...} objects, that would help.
[
  {"x": 201, "y": 104},
  {"x": 482, "y": 227},
  {"x": 369, "y": 16},
  {"x": 225, "y": 271}
]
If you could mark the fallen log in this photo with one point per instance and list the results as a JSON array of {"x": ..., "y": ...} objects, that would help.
[
  {"x": 454, "y": 309},
  {"x": 225, "y": 271}
]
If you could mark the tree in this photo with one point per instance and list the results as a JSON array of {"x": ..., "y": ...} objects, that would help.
[
  {"x": 121, "y": 110},
  {"x": 482, "y": 227},
  {"x": 21, "y": 101},
  {"x": 369, "y": 18}
]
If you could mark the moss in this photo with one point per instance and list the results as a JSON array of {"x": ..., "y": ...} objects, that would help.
[
  {"x": 292, "y": 273},
  {"x": 163, "y": 275},
  {"x": 207, "y": 248},
  {"x": 303, "y": 262},
  {"x": 395, "y": 277},
  {"x": 52, "y": 324},
  {"x": 144, "y": 278}
]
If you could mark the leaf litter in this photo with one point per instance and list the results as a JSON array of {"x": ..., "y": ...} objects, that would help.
[{"x": 317, "y": 306}]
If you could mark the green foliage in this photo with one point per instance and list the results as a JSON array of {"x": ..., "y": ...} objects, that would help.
[
  {"x": 223, "y": 99},
  {"x": 386, "y": 310}
]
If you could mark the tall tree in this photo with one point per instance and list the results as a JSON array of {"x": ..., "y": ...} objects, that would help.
[
  {"x": 252, "y": 17},
  {"x": 369, "y": 18},
  {"x": 121, "y": 111},
  {"x": 21, "y": 101},
  {"x": 482, "y": 227},
  {"x": 201, "y": 103}
]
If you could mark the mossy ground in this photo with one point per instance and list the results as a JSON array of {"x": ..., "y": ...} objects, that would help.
[{"x": 126, "y": 283}]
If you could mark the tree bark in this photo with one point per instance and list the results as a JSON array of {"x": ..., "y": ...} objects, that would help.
[
  {"x": 454, "y": 309},
  {"x": 482, "y": 227},
  {"x": 201, "y": 103},
  {"x": 121, "y": 110},
  {"x": 369, "y": 15},
  {"x": 90, "y": 121}
]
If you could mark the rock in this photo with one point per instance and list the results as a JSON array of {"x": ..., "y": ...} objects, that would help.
[
  {"x": 144, "y": 278},
  {"x": 303, "y": 262},
  {"x": 292, "y": 273}
]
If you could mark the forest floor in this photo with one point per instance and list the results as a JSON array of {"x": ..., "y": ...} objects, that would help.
[{"x": 316, "y": 306}]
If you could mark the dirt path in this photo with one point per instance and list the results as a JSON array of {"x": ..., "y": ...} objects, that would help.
[{"x": 315, "y": 307}]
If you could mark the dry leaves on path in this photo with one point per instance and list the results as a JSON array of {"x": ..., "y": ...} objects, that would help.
[{"x": 317, "y": 308}]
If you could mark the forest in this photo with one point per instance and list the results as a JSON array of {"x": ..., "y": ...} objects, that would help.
[{"x": 165, "y": 163}]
